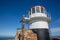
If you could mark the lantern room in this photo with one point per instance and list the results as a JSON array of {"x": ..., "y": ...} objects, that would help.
[{"x": 37, "y": 11}]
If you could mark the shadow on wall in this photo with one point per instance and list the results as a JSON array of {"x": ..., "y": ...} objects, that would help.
[{"x": 55, "y": 39}]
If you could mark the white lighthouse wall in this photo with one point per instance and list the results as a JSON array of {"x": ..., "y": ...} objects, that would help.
[
  {"x": 38, "y": 15},
  {"x": 39, "y": 25}
]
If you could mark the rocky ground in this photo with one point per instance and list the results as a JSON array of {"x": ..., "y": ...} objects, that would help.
[{"x": 28, "y": 35}]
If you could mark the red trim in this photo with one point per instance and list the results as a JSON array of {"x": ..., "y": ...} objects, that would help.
[
  {"x": 42, "y": 6},
  {"x": 33, "y": 7},
  {"x": 37, "y": 6}
]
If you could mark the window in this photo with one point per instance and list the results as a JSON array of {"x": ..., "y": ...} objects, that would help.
[
  {"x": 33, "y": 10},
  {"x": 42, "y": 11},
  {"x": 37, "y": 9},
  {"x": 30, "y": 12}
]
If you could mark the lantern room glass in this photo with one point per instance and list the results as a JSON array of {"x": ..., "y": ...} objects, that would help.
[
  {"x": 33, "y": 10},
  {"x": 37, "y": 9},
  {"x": 42, "y": 10}
]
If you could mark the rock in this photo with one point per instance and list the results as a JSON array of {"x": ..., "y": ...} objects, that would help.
[{"x": 28, "y": 35}]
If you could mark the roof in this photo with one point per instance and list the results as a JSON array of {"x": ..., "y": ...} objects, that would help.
[{"x": 38, "y": 6}]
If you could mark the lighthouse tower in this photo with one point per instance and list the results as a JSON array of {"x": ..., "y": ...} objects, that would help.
[{"x": 38, "y": 22}]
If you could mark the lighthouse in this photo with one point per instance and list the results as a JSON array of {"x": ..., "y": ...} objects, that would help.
[{"x": 38, "y": 21}]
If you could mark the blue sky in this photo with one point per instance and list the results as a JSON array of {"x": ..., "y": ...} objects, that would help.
[{"x": 11, "y": 12}]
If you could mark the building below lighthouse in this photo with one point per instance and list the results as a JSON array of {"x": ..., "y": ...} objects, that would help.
[{"x": 38, "y": 22}]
